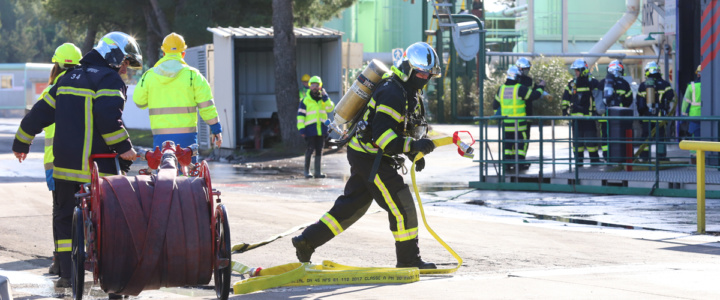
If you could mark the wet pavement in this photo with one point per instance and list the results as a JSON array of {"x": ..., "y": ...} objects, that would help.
[{"x": 444, "y": 191}]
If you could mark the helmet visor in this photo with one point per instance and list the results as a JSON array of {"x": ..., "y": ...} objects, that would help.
[{"x": 132, "y": 54}]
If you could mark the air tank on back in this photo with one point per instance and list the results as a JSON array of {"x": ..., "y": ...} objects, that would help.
[{"x": 352, "y": 103}]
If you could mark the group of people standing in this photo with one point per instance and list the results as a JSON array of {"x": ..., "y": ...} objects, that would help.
[
  {"x": 81, "y": 114},
  {"x": 585, "y": 96}
]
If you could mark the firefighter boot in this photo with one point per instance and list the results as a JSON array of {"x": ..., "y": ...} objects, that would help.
[
  {"x": 63, "y": 282},
  {"x": 303, "y": 249},
  {"x": 318, "y": 164},
  {"x": 408, "y": 255},
  {"x": 594, "y": 157},
  {"x": 579, "y": 156},
  {"x": 55, "y": 267},
  {"x": 308, "y": 155}
]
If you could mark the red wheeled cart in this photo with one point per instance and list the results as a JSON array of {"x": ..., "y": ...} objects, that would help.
[{"x": 149, "y": 231}]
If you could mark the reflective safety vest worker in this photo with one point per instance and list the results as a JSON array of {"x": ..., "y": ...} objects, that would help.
[
  {"x": 693, "y": 100},
  {"x": 312, "y": 115},
  {"x": 174, "y": 93},
  {"x": 512, "y": 106}
]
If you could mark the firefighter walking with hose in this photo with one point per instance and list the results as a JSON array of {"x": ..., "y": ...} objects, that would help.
[{"x": 395, "y": 126}]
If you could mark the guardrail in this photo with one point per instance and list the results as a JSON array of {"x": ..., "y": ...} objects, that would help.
[
  {"x": 559, "y": 170},
  {"x": 700, "y": 147}
]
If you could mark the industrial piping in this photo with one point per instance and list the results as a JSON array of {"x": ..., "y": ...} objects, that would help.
[{"x": 622, "y": 25}]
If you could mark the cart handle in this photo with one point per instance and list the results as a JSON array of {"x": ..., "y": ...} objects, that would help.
[{"x": 105, "y": 155}]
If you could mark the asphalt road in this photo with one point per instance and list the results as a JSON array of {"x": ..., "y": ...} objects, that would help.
[{"x": 507, "y": 255}]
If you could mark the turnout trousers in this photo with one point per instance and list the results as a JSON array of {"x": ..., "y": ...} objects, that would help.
[
  {"x": 62, "y": 222},
  {"x": 585, "y": 137},
  {"x": 660, "y": 137},
  {"x": 388, "y": 190}
]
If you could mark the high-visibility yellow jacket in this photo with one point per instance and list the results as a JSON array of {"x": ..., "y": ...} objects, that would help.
[
  {"x": 312, "y": 115},
  {"x": 49, "y": 132},
  {"x": 174, "y": 93},
  {"x": 693, "y": 100}
]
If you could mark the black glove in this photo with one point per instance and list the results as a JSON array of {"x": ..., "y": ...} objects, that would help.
[
  {"x": 420, "y": 165},
  {"x": 422, "y": 145},
  {"x": 125, "y": 165}
]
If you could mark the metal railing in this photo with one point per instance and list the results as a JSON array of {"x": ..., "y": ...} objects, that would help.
[
  {"x": 700, "y": 147},
  {"x": 556, "y": 135}
]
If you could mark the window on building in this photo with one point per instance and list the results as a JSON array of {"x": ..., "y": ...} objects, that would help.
[{"x": 6, "y": 81}]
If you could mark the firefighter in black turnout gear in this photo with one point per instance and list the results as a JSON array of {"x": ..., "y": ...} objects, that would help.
[
  {"x": 524, "y": 65},
  {"x": 86, "y": 106},
  {"x": 616, "y": 93},
  {"x": 579, "y": 97},
  {"x": 395, "y": 126},
  {"x": 511, "y": 101},
  {"x": 654, "y": 99}
]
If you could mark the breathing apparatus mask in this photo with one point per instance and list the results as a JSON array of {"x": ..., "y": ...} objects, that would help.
[{"x": 419, "y": 65}]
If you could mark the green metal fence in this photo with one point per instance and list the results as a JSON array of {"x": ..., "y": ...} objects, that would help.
[{"x": 555, "y": 167}]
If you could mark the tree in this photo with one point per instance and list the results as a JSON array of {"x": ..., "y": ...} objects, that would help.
[
  {"x": 314, "y": 12},
  {"x": 285, "y": 82}
]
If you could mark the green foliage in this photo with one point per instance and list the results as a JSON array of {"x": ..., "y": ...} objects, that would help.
[
  {"x": 32, "y": 29},
  {"x": 314, "y": 12},
  {"x": 552, "y": 70},
  {"x": 29, "y": 33}
]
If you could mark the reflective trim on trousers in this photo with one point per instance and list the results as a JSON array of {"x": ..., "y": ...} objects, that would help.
[
  {"x": 399, "y": 218},
  {"x": 331, "y": 223}
]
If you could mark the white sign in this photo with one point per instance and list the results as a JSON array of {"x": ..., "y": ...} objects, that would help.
[
  {"x": 397, "y": 55},
  {"x": 670, "y": 11}
]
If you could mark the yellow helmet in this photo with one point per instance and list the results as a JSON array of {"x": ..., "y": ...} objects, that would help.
[
  {"x": 315, "y": 79},
  {"x": 67, "y": 54},
  {"x": 173, "y": 43},
  {"x": 305, "y": 77},
  {"x": 699, "y": 68}
]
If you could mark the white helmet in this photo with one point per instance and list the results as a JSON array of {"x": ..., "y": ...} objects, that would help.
[
  {"x": 513, "y": 72},
  {"x": 116, "y": 47}
]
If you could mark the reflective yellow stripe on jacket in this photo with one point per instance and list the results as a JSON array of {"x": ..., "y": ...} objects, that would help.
[{"x": 174, "y": 102}]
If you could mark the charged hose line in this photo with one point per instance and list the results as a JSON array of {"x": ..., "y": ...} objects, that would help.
[
  {"x": 438, "y": 142},
  {"x": 331, "y": 273}
]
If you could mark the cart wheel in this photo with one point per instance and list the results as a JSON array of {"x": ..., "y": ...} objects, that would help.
[
  {"x": 77, "y": 278},
  {"x": 222, "y": 256}
]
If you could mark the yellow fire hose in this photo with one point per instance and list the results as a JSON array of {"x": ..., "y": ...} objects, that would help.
[{"x": 331, "y": 273}]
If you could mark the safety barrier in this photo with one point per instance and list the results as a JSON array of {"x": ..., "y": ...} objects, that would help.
[
  {"x": 700, "y": 147},
  {"x": 556, "y": 168}
]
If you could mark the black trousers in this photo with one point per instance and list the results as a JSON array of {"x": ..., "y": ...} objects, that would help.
[
  {"x": 661, "y": 150},
  {"x": 585, "y": 136},
  {"x": 62, "y": 222},
  {"x": 387, "y": 188},
  {"x": 314, "y": 143}
]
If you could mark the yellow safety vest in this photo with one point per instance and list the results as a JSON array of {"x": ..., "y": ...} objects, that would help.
[
  {"x": 312, "y": 113},
  {"x": 174, "y": 93},
  {"x": 512, "y": 106},
  {"x": 694, "y": 100}
]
